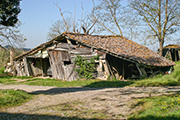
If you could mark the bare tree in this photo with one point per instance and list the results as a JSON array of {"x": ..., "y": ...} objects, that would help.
[
  {"x": 109, "y": 14},
  {"x": 161, "y": 16},
  {"x": 65, "y": 24},
  {"x": 87, "y": 22},
  {"x": 11, "y": 35},
  {"x": 58, "y": 27}
]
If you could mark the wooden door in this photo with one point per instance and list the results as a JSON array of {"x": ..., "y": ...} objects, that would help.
[{"x": 55, "y": 59}]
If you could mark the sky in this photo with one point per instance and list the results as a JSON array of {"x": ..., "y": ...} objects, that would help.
[{"x": 37, "y": 16}]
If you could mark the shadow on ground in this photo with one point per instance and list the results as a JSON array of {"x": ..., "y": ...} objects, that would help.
[
  {"x": 20, "y": 116},
  {"x": 110, "y": 84},
  {"x": 90, "y": 87},
  {"x": 64, "y": 90}
]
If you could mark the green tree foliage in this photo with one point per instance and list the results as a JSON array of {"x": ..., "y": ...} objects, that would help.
[
  {"x": 86, "y": 68},
  {"x": 9, "y": 23},
  {"x": 9, "y": 10}
]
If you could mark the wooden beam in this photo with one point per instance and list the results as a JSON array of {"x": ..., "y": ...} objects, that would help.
[
  {"x": 123, "y": 72},
  {"x": 139, "y": 70},
  {"x": 11, "y": 55},
  {"x": 175, "y": 52},
  {"x": 41, "y": 60},
  {"x": 26, "y": 66}
]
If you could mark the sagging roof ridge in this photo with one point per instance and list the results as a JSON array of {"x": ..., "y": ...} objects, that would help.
[
  {"x": 121, "y": 47},
  {"x": 40, "y": 47},
  {"x": 87, "y": 40}
]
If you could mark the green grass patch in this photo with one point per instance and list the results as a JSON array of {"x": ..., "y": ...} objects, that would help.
[
  {"x": 13, "y": 98},
  {"x": 1, "y": 70},
  {"x": 95, "y": 83},
  {"x": 161, "y": 80},
  {"x": 157, "y": 108},
  {"x": 23, "y": 77},
  {"x": 4, "y": 74},
  {"x": 6, "y": 80},
  {"x": 58, "y": 83}
]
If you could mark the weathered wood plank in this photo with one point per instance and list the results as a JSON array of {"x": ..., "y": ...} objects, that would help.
[{"x": 26, "y": 66}]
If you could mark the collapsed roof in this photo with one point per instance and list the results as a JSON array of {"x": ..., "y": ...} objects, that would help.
[{"x": 117, "y": 46}]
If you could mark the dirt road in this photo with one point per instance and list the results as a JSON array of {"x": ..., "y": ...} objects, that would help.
[{"x": 52, "y": 103}]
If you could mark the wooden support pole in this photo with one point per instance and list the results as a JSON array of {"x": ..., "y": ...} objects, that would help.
[
  {"x": 123, "y": 72},
  {"x": 11, "y": 55},
  {"x": 175, "y": 52},
  {"x": 139, "y": 70},
  {"x": 41, "y": 62},
  {"x": 26, "y": 66}
]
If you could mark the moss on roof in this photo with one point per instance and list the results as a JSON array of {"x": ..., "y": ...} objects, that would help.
[
  {"x": 122, "y": 47},
  {"x": 115, "y": 45}
]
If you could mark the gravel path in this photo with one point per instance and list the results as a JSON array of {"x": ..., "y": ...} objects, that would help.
[{"x": 52, "y": 103}]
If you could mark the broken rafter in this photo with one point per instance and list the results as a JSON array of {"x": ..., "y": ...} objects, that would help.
[{"x": 105, "y": 51}]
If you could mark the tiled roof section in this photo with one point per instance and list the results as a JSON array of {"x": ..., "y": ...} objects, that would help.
[
  {"x": 40, "y": 47},
  {"x": 121, "y": 47},
  {"x": 172, "y": 46}
]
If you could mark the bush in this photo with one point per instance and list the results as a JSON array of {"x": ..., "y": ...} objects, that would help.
[{"x": 86, "y": 68}]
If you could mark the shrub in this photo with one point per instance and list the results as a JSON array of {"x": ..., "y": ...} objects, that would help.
[{"x": 85, "y": 68}]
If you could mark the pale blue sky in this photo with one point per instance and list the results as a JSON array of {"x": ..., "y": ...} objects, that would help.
[{"x": 38, "y": 15}]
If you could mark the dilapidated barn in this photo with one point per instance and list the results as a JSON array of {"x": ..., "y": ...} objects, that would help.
[
  {"x": 119, "y": 57},
  {"x": 172, "y": 52}
]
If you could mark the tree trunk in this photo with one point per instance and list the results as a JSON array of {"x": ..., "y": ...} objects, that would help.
[{"x": 161, "y": 42}]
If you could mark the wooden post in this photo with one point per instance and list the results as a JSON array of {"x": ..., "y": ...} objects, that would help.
[
  {"x": 26, "y": 66},
  {"x": 11, "y": 56},
  {"x": 123, "y": 72},
  {"x": 175, "y": 52},
  {"x": 179, "y": 54},
  {"x": 140, "y": 72},
  {"x": 107, "y": 72},
  {"x": 41, "y": 60}
]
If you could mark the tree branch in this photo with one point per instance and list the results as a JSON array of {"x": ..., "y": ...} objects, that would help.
[
  {"x": 113, "y": 15},
  {"x": 62, "y": 16}
]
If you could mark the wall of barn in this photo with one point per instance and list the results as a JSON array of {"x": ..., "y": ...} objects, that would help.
[
  {"x": 120, "y": 68},
  {"x": 38, "y": 66},
  {"x": 173, "y": 54},
  {"x": 61, "y": 65}
]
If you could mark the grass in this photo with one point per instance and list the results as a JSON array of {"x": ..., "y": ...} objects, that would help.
[
  {"x": 157, "y": 108},
  {"x": 1, "y": 70},
  {"x": 161, "y": 80},
  {"x": 52, "y": 82},
  {"x": 9, "y": 98},
  {"x": 59, "y": 83}
]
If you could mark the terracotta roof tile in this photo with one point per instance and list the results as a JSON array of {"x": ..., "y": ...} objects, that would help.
[
  {"x": 122, "y": 47},
  {"x": 171, "y": 46}
]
